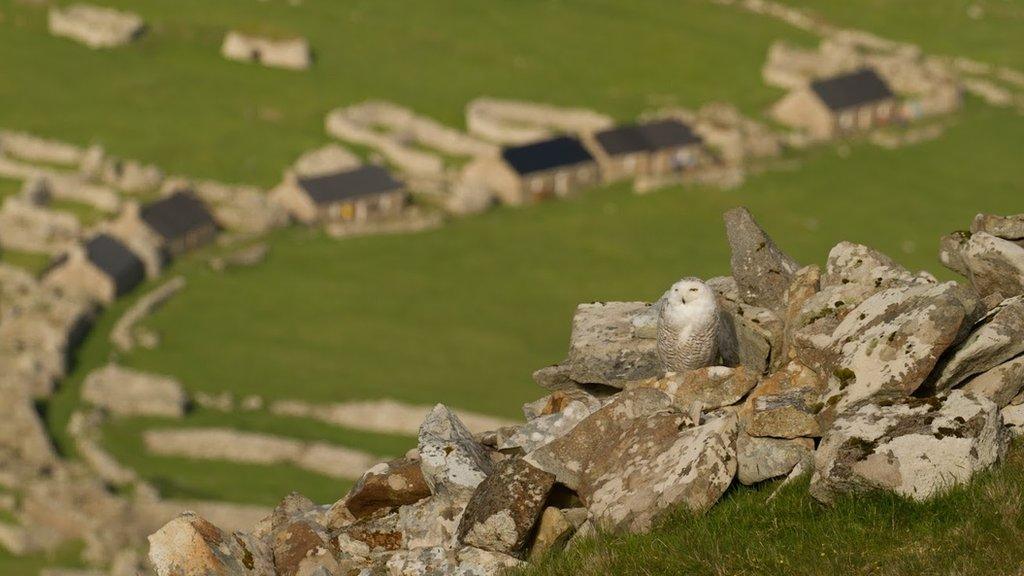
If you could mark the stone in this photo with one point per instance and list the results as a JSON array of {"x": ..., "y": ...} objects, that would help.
[
  {"x": 478, "y": 562},
  {"x": 996, "y": 338},
  {"x": 430, "y": 522},
  {"x": 435, "y": 561},
  {"x": 656, "y": 464},
  {"x": 761, "y": 270},
  {"x": 645, "y": 323},
  {"x": 893, "y": 340},
  {"x": 568, "y": 457},
  {"x": 913, "y": 447},
  {"x": 785, "y": 405},
  {"x": 714, "y": 387},
  {"x": 387, "y": 485},
  {"x": 1001, "y": 384},
  {"x": 452, "y": 461},
  {"x": 546, "y": 427},
  {"x": 95, "y": 26},
  {"x": 555, "y": 377},
  {"x": 806, "y": 284},
  {"x": 299, "y": 544},
  {"x": 760, "y": 459},
  {"x": 126, "y": 392},
  {"x": 1005, "y": 227},
  {"x": 758, "y": 334},
  {"x": 603, "y": 348},
  {"x": 850, "y": 263},
  {"x": 502, "y": 512},
  {"x": 191, "y": 546},
  {"x": 951, "y": 252},
  {"x": 553, "y": 531},
  {"x": 994, "y": 265},
  {"x": 558, "y": 401}
]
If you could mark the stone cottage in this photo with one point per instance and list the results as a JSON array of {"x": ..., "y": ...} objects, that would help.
[
  {"x": 555, "y": 167},
  {"x": 181, "y": 221},
  {"x": 101, "y": 270},
  {"x": 368, "y": 192},
  {"x": 646, "y": 149},
  {"x": 839, "y": 105}
]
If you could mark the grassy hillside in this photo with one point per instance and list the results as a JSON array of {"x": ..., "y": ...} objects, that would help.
[
  {"x": 975, "y": 530},
  {"x": 173, "y": 100}
]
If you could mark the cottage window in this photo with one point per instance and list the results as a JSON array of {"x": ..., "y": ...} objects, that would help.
[
  {"x": 561, "y": 183},
  {"x": 536, "y": 186},
  {"x": 847, "y": 120}
]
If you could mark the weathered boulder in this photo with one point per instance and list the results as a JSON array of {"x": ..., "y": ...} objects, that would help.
[
  {"x": 951, "y": 252},
  {"x": 785, "y": 405},
  {"x": 191, "y": 546},
  {"x": 300, "y": 547},
  {"x": 554, "y": 529},
  {"x": 428, "y": 523},
  {"x": 914, "y": 447},
  {"x": 656, "y": 464},
  {"x": 994, "y": 266},
  {"x": 893, "y": 340},
  {"x": 755, "y": 333},
  {"x": 759, "y": 459},
  {"x": 850, "y": 263},
  {"x": 560, "y": 413},
  {"x": 568, "y": 456},
  {"x": 713, "y": 387},
  {"x": 806, "y": 283},
  {"x": 387, "y": 485},
  {"x": 502, "y": 512},
  {"x": 478, "y": 562},
  {"x": 761, "y": 270},
  {"x": 1005, "y": 227},
  {"x": 1000, "y": 384},
  {"x": 452, "y": 461},
  {"x": 554, "y": 377},
  {"x": 603, "y": 348},
  {"x": 996, "y": 338}
]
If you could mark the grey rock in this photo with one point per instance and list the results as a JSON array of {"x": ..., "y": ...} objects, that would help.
[
  {"x": 994, "y": 265},
  {"x": 546, "y": 427},
  {"x": 505, "y": 507},
  {"x": 1005, "y": 227},
  {"x": 996, "y": 338},
  {"x": 760, "y": 459},
  {"x": 603, "y": 348},
  {"x": 568, "y": 456},
  {"x": 761, "y": 270},
  {"x": 656, "y": 464},
  {"x": 478, "y": 562},
  {"x": 850, "y": 263},
  {"x": 951, "y": 248},
  {"x": 453, "y": 463},
  {"x": 1001, "y": 384},
  {"x": 554, "y": 377},
  {"x": 387, "y": 485},
  {"x": 893, "y": 340},
  {"x": 784, "y": 405},
  {"x": 713, "y": 387},
  {"x": 913, "y": 447}
]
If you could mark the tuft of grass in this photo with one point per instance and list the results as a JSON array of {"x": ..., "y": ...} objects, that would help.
[{"x": 975, "y": 529}]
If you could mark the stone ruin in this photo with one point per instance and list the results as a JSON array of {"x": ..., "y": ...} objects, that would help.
[
  {"x": 516, "y": 122},
  {"x": 95, "y": 26},
  {"x": 288, "y": 53},
  {"x": 861, "y": 373}
]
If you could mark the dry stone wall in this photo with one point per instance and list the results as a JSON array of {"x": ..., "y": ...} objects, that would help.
[{"x": 860, "y": 372}]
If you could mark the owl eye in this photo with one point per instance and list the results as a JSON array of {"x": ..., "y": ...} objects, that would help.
[{"x": 693, "y": 289}]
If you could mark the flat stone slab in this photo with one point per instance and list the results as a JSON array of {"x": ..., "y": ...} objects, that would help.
[{"x": 603, "y": 348}]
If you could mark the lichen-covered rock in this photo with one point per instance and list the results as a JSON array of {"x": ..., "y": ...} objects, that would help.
[
  {"x": 785, "y": 405},
  {"x": 893, "y": 340},
  {"x": 568, "y": 457},
  {"x": 435, "y": 561},
  {"x": 951, "y": 247},
  {"x": 1000, "y": 384},
  {"x": 806, "y": 283},
  {"x": 452, "y": 461},
  {"x": 761, "y": 270},
  {"x": 478, "y": 562},
  {"x": 713, "y": 387},
  {"x": 387, "y": 485},
  {"x": 994, "y": 265},
  {"x": 554, "y": 529},
  {"x": 757, "y": 334},
  {"x": 914, "y": 447},
  {"x": 191, "y": 546},
  {"x": 659, "y": 463},
  {"x": 850, "y": 263},
  {"x": 301, "y": 546},
  {"x": 1005, "y": 227},
  {"x": 760, "y": 459},
  {"x": 560, "y": 414},
  {"x": 603, "y": 348},
  {"x": 502, "y": 512},
  {"x": 996, "y": 338}
]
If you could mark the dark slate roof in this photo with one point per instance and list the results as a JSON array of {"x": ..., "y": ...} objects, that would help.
[
  {"x": 545, "y": 155},
  {"x": 176, "y": 215},
  {"x": 116, "y": 261},
  {"x": 853, "y": 89},
  {"x": 648, "y": 137},
  {"x": 363, "y": 181}
]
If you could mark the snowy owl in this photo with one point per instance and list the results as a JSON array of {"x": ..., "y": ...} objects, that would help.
[{"x": 688, "y": 327}]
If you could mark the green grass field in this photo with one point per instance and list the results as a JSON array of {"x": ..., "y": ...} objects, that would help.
[{"x": 464, "y": 314}]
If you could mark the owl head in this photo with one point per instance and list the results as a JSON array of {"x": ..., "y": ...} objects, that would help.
[{"x": 688, "y": 299}]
